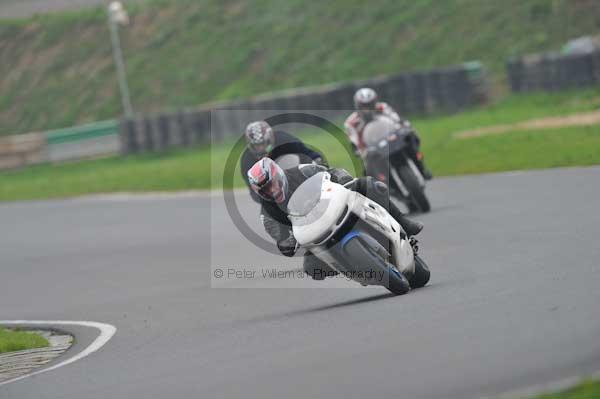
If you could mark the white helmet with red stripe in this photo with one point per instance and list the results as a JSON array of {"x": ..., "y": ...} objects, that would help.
[{"x": 268, "y": 180}]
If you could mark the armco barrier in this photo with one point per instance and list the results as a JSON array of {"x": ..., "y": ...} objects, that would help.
[
  {"x": 553, "y": 71},
  {"x": 83, "y": 141},
  {"x": 447, "y": 90},
  {"x": 78, "y": 142}
]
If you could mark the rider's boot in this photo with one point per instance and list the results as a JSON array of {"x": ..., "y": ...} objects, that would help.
[
  {"x": 417, "y": 156},
  {"x": 411, "y": 227}
]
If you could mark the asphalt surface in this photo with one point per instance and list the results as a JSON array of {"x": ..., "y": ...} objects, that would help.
[
  {"x": 513, "y": 301},
  {"x": 27, "y": 8}
]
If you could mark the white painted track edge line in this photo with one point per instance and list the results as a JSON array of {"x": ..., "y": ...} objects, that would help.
[{"x": 107, "y": 331}]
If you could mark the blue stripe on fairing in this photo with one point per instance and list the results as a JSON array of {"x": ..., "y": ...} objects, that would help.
[{"x": 349, "y": 236}]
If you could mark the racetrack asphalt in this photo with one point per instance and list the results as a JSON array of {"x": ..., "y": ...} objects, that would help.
[
  {"x": 513, "y": 300},
  {"x": 27, "y": 8}
]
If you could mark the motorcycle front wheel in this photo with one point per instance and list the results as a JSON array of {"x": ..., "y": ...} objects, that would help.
[
  {"x": 421, "y": 275},
  {"x": 364, "y": 258}
]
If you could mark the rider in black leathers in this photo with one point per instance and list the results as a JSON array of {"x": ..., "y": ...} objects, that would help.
[
  {"x": 262, "y": 142},
  {"x": 275, "y": 187}
]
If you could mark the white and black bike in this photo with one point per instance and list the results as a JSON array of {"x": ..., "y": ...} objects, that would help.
[
  {"x": 355, "y": 236},
  {"x": 387, "y": 159}
]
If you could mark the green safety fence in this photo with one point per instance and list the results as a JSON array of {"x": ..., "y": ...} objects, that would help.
[{"x": 82, "y": 132}]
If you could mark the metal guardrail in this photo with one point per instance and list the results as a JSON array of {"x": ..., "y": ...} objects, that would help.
[
  {"x": 84, "y": 141},
  {"x": 78, "y": 142},
  {"x": 82, "y": 132}
]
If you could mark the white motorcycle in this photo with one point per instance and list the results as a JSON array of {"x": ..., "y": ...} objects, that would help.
[{"x": 354, "y": 236}]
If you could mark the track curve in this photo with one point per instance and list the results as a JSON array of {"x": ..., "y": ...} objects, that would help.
[{"x": 513, "y": 299}]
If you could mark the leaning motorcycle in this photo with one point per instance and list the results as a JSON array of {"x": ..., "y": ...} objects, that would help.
[
  {"x": 355, "y": 236},
  {"x": 387, "y": 158}
]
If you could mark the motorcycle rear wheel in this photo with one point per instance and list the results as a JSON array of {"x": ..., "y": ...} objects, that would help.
[{"x": 416, "y": 192}]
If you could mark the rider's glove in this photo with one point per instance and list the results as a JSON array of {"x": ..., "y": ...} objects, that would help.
[{"x": 288, "y": 246}]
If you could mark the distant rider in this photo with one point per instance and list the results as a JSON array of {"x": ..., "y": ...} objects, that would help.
[
  {"x": 262, "y": 141},
  {"x": 367, "y": 107},
  {"x": 275, "y": 186}
]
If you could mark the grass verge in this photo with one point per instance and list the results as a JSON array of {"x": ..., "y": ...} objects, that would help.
[
  {"x": 584, "y": 390},
  {"x": 202, "y": 168},
  {"x": 14, "y": 340}
]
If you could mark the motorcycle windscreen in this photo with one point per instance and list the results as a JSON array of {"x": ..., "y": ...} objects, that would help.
[
  {"x": 307, "y": 196},
  {"x": 377, "y": 130}
]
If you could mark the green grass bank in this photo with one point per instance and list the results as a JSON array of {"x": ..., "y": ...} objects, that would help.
[{"x": 56, "y": 70}]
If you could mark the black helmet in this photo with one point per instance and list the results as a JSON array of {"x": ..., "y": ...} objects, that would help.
[
  {"x": 365, "y": 100},
  {"x": 260, "y": 138}
]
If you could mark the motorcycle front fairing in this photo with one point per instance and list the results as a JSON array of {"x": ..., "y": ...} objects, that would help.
[
  {"x": 317, "y": 208},
  {"x": 385, "y": 140},
  {"x": 320, "y": 207},
  {"x": 378, "y": 218}
]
